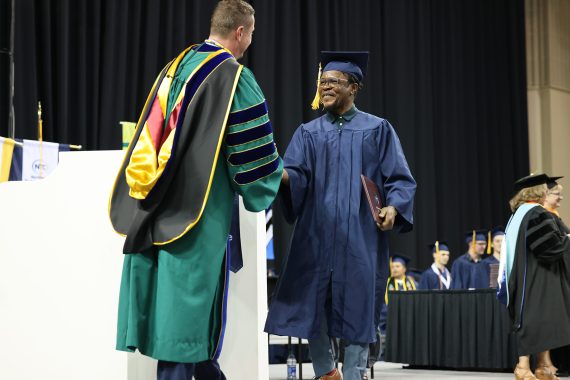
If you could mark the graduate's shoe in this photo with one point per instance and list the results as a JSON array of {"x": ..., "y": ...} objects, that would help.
[
  {"x": 543, "y": 372},
  {"x": 523, "y": 374},
  {"x": 332, "y": 375}
]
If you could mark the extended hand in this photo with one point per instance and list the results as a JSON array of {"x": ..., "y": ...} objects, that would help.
[
  {"x": 285, "y": 178},
  {"x": 388, "y": 217}
]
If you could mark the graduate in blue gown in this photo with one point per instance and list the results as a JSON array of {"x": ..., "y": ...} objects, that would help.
[
  {"x": 333, "y": 281},
  {"x": 467, "y": 270},
  {"x": 437, "y": 276},
  {"x": 497, "y": 236}
]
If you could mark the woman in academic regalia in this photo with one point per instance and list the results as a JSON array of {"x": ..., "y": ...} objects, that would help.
[
  {"x": 534, "y": 279},
  {"x": 552, "y": 202}
]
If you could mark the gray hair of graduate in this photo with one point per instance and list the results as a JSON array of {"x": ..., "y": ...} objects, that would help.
[
  {"x": 528, "y": 194},
  {"x": 230, "y": 15}
]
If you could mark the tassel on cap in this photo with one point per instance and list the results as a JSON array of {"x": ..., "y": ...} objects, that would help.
[
  {"x": 437, "y": 247},
  {"x": 473, "y": 241},
  {"x": 317, "y": 100},
  {"x": 489, "y": 243},
  {"x": 388, "y": 282}
]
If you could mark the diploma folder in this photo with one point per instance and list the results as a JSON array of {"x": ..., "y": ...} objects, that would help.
[{"x": 373, "y": 196}]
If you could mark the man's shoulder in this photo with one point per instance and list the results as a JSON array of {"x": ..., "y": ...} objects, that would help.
[
  {"x": 371, "y": 119},
  {"x": 462, "y": 259},
  {"x": 246, "y": 72},
  {"x": 248, "y": 93},
  {"x": 313, "y": 125},
  {"x": 429, "y": 273},
  {"x": 246, "y": 76}
]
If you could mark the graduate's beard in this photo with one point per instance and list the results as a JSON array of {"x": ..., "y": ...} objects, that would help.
[{"x": 338, "y": 106}]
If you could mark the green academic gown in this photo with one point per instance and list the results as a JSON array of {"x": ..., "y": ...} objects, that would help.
[{"x": 172, "y": 298}]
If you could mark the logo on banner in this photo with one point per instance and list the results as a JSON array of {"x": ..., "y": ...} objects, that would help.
[
  {"x": 39, "y": 168},
  {"x": 38, "y": 159}
]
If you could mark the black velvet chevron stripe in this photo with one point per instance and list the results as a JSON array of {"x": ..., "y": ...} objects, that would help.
[
  {"x": 258, "y": 173},
  {"x": 249, "y": 114},
  {"x": 543, "y": 233},
  {"x": 249, "y": 135},
  {"x": 252, "y": 155}
]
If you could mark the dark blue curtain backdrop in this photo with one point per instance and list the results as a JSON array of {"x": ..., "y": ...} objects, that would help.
[{"x": 449, "y": 75}]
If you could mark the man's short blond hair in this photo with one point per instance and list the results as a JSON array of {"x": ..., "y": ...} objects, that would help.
[
  {"x": 230, "y": 15},
  {"x": 529, "y": 194}
]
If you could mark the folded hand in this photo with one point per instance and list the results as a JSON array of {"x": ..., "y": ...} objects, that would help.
[{"x": 388, "y": 217}]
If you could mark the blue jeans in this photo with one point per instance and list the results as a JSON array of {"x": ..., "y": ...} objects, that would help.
[
  {"x": 207, "y": 370},
  {"x": 355, "y": 356}
]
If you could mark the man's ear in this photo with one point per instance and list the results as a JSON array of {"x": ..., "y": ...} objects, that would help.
[
  {"x": 354, "y": 89},
  {"x": 239, "y": 33}
]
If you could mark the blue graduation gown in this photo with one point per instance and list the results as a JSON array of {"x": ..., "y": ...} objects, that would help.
[
  {"x": 337, "y": 253},
  {"x": 465, "y": 274},
  {"x": 430, "y": 280}
]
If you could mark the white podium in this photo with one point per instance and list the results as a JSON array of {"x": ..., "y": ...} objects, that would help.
[{"x": 60, "y": 268}]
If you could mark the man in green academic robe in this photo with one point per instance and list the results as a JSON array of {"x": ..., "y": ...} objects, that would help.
[{"x": 203, "y": 135}]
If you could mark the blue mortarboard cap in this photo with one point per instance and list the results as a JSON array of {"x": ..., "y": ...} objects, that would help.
[
  {"x": 499, "y": 230},
  {"x": 480, "y": 235},
  {"x": 399, "y": 258},
  {"x": 441, "y": 245},
  {"x": 348, "y": 62}
]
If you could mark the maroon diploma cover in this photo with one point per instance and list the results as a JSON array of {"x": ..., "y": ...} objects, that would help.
[{"x": 373, "y": 196}]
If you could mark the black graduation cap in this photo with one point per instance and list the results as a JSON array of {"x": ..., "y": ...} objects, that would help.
[
  {"x": 552, "y": 182},
  {"x": 530, "y": 181},
  {"x": 400, "y": 258},
  {"x": 499, "y": 230},
  {"x": 439, "y": 245},
  {"x": 349, "y": 62}
]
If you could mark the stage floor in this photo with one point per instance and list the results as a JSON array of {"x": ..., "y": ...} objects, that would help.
[{"x": 391, "y": 371}]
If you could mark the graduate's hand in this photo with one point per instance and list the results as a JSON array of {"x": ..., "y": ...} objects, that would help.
[
  {"x": 388, "y": 217},
  {"x": 285, "y": 178}
]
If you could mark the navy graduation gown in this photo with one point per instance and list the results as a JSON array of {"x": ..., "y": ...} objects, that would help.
[
  {"x": 466, "y": 274},
  {"x": 430, "y": 280},
  {"x": 337, "y": 253}
]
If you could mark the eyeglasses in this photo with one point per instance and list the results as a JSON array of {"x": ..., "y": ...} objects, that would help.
[{"x": 333, "y": 82}]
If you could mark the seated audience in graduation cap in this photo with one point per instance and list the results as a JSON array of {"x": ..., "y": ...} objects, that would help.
[
  {"x": 398, "y": 280},
  {"x": 465, "y": 271},
  {"x": 552, "y": 201},
  {"x": 437, "y": 276},
  {"x": 533, "y": 279},
  {"x": 497, "y": 235}
]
